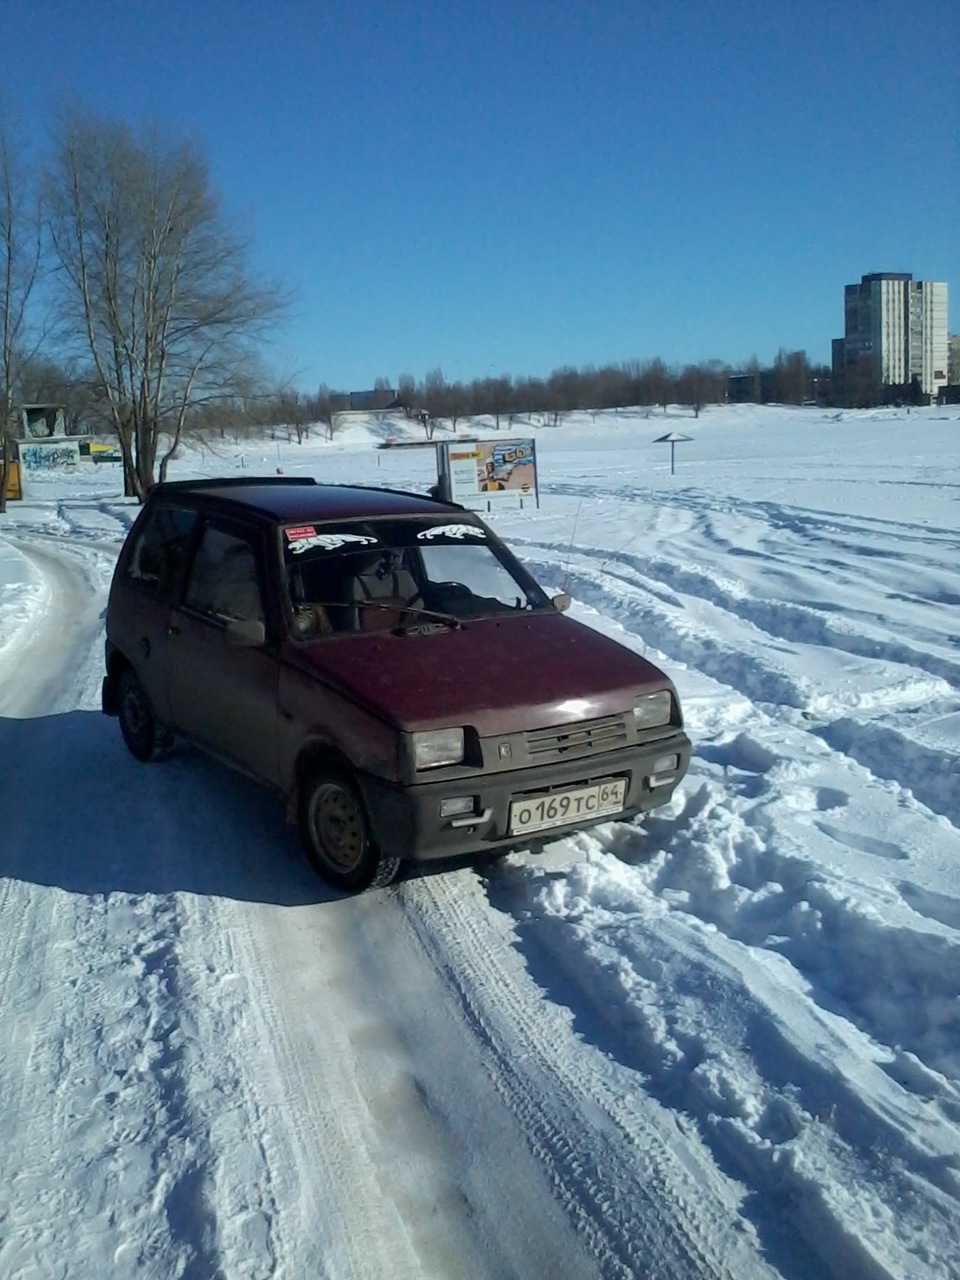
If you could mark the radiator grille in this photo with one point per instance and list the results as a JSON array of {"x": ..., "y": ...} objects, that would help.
[{"x": 586, "y": 738}]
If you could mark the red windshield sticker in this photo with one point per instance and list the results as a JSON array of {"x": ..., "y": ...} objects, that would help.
[{"x": 299, "y": 531}]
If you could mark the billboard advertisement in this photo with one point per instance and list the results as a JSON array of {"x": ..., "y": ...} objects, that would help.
[{"x": 488, "y": 472}]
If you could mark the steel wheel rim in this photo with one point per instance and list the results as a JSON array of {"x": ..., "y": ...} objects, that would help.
[
  {"x": 337, "y": 827},
  {"x": 135, "y": 715}
]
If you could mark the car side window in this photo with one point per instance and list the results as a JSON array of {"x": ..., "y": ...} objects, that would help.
[
  {"x": 223, "y": 580},
  {"x": 160, "y": 548}
]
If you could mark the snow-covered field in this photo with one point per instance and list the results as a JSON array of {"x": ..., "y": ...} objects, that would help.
[{"x": 723, "y": 1043}]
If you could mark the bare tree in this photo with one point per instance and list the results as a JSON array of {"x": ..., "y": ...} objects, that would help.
[
  {"x": 407, "y": 393},
  {"x": 493, "y": 396},
  {"x": 458, "y": 403},
  {"x": 790, "y": 377},
  {"x": 658, "y": 383},
  {"x": 433, "y": 396},
  {"x": 323, "y": 409},
  {"x": 292, "y": 409},
  {"x": 20, "y": 225},
  {"x": 152, "y": 282},
  {"x": 695, "y": 387},
  {"x": 565, "y": 391}
]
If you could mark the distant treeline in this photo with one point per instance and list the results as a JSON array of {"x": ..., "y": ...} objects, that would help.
[{"x": 791, "y": 379}]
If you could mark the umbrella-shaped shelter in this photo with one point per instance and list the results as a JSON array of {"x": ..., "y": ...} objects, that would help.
[{"x": 672, "y": 438}]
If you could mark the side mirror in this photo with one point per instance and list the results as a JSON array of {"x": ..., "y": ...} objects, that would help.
[
  {"x": 247, "y": 633},
  {"x": 561, "y": 602}
]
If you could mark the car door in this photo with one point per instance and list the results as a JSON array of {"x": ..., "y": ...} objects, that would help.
[
  {"x": 147, "y": 581},
  {"x": 223, "y": 695}
]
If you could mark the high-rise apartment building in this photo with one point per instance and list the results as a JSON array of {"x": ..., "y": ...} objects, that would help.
[
  {"x": 895, "y": 331},
  {"x": 953, "y": 359}
]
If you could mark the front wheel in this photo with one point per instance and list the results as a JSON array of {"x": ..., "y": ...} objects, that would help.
[
  {"x": 336, "y": 834},
  {"x": 145, "y": 738}
]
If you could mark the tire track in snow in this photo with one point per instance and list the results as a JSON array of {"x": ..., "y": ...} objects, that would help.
[
  {"x": 824, "y": 921},
  {"x": 120, "y": 1132},
  {"x": 782, "y": 620},
  {"x": 641, "y": 614},
  {"x": 332, "y": 1214},
  {"x": 743, "y": 869},
  {"x": 777, "y": 1101},
  {"x": 810, "y": 525},
  {"x": 932, "y": 776},
  {"x": 105, "y": 1021},
  {"x": 646, "y": 1199}
]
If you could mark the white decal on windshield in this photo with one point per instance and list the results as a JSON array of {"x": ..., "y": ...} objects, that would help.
[
  {"x": 451, "y": 531},
  {"x": 331, "y": 541}
]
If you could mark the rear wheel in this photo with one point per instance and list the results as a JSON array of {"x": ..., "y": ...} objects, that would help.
[
  {"x": 145, "y": 738},
  {"x": 336, "y": 834}
]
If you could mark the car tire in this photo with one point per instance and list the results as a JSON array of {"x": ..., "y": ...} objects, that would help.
[
  {"x": 145, "y": 738},
  {"x": 336, "y": 834}
]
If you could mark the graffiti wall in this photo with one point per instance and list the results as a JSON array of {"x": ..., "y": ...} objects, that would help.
[{"x": 50, "y": 455}]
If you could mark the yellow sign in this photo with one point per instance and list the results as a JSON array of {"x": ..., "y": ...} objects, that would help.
[{"x": 14, "y": 487}]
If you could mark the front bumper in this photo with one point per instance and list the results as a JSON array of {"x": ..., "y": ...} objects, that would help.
[{"x": 406, "y": 820}]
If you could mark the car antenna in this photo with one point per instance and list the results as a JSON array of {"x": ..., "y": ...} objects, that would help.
[
  {"x": 619, "y": 551},
  {"x": 573, "y": 534}
]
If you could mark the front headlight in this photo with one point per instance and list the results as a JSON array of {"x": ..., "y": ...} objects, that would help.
[
  {"x": 653, "y": 709},
  {"x": 437, "y": 747}
]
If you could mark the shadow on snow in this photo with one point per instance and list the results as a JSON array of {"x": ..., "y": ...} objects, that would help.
[{"x": 78, "y": 813}]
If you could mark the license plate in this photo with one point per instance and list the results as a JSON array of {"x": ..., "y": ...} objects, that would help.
[{"x": 538, "y": 813}]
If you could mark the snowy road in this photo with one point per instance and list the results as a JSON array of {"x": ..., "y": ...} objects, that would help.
[
  {"x": 381, "y": 1070},
  {"x": 727, "y": 1044}
]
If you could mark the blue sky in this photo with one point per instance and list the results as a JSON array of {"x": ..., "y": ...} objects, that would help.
[{"x": 510, "y": 187}]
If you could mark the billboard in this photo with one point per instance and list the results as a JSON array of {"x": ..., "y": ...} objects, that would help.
[{"x": 488, "y": 472}]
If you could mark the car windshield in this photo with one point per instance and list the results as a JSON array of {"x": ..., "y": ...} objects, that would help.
[{"x": 413, "y": 574}]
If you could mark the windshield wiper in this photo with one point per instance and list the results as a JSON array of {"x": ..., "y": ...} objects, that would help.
[
  {"x": 448, "y": 619},
  {"x": 419, "y": 611}
]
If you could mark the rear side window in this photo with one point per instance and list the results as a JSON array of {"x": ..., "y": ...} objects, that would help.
[
  {"x": 223, "y": 580},
  {"x": 160, "y": 548}
]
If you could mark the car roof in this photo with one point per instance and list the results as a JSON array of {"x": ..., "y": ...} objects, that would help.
[{"x": 294, "y": 499}]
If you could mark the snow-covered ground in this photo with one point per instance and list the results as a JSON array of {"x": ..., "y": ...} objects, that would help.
[{"x": 722, "y": 1043}]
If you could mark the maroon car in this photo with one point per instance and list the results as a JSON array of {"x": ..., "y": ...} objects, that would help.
[{"x": 384, "y": 662}]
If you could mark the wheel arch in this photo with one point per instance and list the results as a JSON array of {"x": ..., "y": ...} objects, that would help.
[
  {"x": 373, "y": 867},
  {"x": 312, "y": 757},
  {"x": 114, "y": 664}
]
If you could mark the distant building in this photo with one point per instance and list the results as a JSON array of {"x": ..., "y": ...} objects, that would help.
[
  {"x": 753, "y": 387},
  {"x": 377, "y": 401},
  {"x": 953, "y": 359},
  {"x": 40, "y": 421},
  {"x": 950, "y": 394},
  {"x": 895, "y": 339}
]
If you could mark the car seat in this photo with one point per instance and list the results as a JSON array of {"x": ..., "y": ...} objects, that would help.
[{"x": 381, "y": 590}]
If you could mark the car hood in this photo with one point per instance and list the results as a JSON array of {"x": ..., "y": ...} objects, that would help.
[{"x": 501, "y": 675}]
